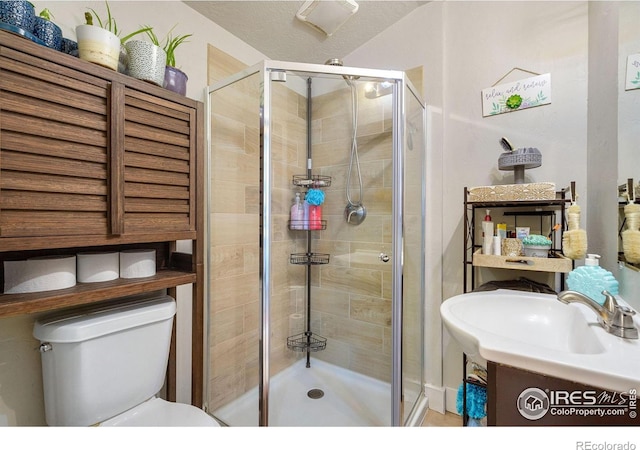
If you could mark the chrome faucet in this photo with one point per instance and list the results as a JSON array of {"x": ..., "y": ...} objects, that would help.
[{"x": 615, "y": 318}]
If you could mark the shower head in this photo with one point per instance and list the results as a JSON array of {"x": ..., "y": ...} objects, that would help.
[
  {"x": 333, "y": 62},
  {"x": 338, "y": 62}
]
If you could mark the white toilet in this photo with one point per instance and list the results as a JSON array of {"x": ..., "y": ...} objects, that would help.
[{"x": 105, "y": 366}]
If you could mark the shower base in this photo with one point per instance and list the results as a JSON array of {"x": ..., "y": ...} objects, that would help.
[{"x": 350, "y": 399}]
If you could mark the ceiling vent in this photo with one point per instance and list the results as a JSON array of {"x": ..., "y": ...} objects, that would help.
[{"x": 327, "y": 15}]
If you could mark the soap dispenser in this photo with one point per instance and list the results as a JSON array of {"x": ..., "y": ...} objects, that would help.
[
  {"x": 297, "y": 214},
  {"x": 591, "y": 279}
]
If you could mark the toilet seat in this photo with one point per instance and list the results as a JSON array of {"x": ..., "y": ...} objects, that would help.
[{"x": 157, "y": 412}]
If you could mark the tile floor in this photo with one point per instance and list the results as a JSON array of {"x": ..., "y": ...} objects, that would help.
[{"x": 435, "y": 419}]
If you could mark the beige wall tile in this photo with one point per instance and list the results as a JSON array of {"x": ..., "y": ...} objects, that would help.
[{"x": 370, "y": 309}]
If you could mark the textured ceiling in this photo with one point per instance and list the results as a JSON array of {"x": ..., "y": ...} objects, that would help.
[{"x": 272, "y": 28}]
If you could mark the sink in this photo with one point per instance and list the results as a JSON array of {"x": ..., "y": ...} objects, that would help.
[{"x": 537, "y": 332}]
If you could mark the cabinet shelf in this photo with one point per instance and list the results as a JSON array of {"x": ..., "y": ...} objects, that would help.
[
  {"x": 85, "y": 293},
  {"x": 555, "y": 264},
  {"x": 552, "y": 211}
]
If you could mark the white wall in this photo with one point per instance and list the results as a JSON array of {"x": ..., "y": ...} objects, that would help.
[
  {"x": 466, "y": 46},
  {"x": 191, "y": 57}
]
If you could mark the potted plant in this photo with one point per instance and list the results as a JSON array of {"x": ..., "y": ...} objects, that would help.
[
  {"x": 147, "y": 60},
  {"x": 174, "y": 79},
  {"x": 47, "y": 31},
  {"x": 100, "y": 42}
]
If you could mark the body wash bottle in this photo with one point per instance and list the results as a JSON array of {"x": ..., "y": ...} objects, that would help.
[
  {"x": 487, "y": 234},
  {"x": 297, "y": 214}
]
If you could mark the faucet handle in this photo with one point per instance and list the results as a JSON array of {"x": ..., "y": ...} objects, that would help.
[{"x": 625, "y": 310}]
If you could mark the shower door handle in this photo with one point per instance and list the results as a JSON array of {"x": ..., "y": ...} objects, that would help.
[{"x": 383, "y": 257}]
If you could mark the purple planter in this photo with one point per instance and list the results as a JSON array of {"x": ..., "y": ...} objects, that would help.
[{"x": 175, "y": 80}]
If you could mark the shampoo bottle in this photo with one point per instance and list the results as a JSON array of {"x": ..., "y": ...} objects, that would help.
[
  {"x": 487, "y": 234},
  {"x": 297, "y": 214},
  {"x": 315, "y": 217},
  {"x": 591, "y": 279}
]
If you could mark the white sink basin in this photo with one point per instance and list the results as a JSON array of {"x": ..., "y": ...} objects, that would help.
[{"x": 537, "y": 332}]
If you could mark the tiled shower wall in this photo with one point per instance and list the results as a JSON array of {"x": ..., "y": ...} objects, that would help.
[{"x": 351, "y": 297}]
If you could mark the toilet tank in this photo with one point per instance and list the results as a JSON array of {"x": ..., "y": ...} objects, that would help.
[{"x": 98, "y": 363}]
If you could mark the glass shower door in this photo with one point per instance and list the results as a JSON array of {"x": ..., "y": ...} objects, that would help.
[
  {"x": 233, "y": 278},
  {"x": 319, "y": 327},
  {"x": 414, "y": 155}
]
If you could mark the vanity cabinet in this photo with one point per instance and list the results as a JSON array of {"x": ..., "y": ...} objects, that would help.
[
  {"x": 517, "y": 397},
  {"x": 94, "y": 160}
]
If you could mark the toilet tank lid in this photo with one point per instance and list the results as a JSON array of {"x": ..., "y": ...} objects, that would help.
[{"x": 82, "y": 325}]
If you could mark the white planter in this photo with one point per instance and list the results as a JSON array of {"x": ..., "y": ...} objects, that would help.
[
  {"x": 146, "y": 61},
  {"x": 98, "y": 46}
]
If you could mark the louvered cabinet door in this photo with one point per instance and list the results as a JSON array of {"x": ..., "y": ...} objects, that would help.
[
  {"x": 158, "y": 165},
  {"x": 54, "y": 164}
]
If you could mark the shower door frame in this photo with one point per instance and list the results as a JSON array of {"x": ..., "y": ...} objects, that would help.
[{"x": 267, "y": 68}]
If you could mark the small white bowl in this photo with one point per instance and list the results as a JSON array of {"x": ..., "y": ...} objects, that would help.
[{"x": 538, "y": 251}]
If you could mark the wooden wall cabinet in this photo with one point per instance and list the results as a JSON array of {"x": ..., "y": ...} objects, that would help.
[{"x": 91, "y": 159}]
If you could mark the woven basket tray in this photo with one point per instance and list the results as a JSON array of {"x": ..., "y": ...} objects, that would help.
[{"x": 513, "y": 192}]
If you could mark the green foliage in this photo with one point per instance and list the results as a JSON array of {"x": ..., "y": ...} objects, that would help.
[
  {"x": 110, "y": 24},
  {"x": 46, "y": 14},
  {"x": 169, "y": 44}
]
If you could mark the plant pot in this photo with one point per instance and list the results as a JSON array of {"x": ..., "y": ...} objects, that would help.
[
  {"x": 146, "y": 61},
  {"x": 98, "y": 46},
  {"x": 123, "y": 60},
  {"x": 175, "y": 80},
  {"x": 70, "y": 47},
  {"x": 20, "y": 14},
  {"x": 48, "y": 32}
]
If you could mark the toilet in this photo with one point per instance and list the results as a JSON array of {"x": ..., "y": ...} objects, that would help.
[{"x": 105, "y": 366}]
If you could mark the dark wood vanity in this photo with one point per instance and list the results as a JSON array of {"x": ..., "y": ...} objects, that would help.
[{"x": 517, "y": 397}]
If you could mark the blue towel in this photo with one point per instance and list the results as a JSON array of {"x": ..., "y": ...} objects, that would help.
[{"x": 476, "y": 401}]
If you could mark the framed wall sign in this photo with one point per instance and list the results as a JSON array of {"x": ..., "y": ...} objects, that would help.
[{"x": 526, "y": 93}]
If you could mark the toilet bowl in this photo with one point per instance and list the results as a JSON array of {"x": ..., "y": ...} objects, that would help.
[
  {"x": 157, "y": 412},
  {"x": 105, "y": 366}
]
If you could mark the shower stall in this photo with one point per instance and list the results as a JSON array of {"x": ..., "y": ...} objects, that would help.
[{"x": 318, "y": 323}]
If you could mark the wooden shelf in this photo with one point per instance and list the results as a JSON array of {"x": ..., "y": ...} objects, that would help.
[
  {"x": 560, "y": 263},
  {"x": 85, "y": 293}
]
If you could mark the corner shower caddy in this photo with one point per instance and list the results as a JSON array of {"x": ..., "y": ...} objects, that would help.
[{"x": 307, "y": 341}]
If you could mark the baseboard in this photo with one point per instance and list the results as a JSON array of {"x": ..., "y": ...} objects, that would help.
[
  {"x": 451, "y": 398},
  {"x": 436, "y": 395}
]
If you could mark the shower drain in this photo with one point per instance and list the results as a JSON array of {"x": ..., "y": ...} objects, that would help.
[{"x": 315, "y": 394}]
